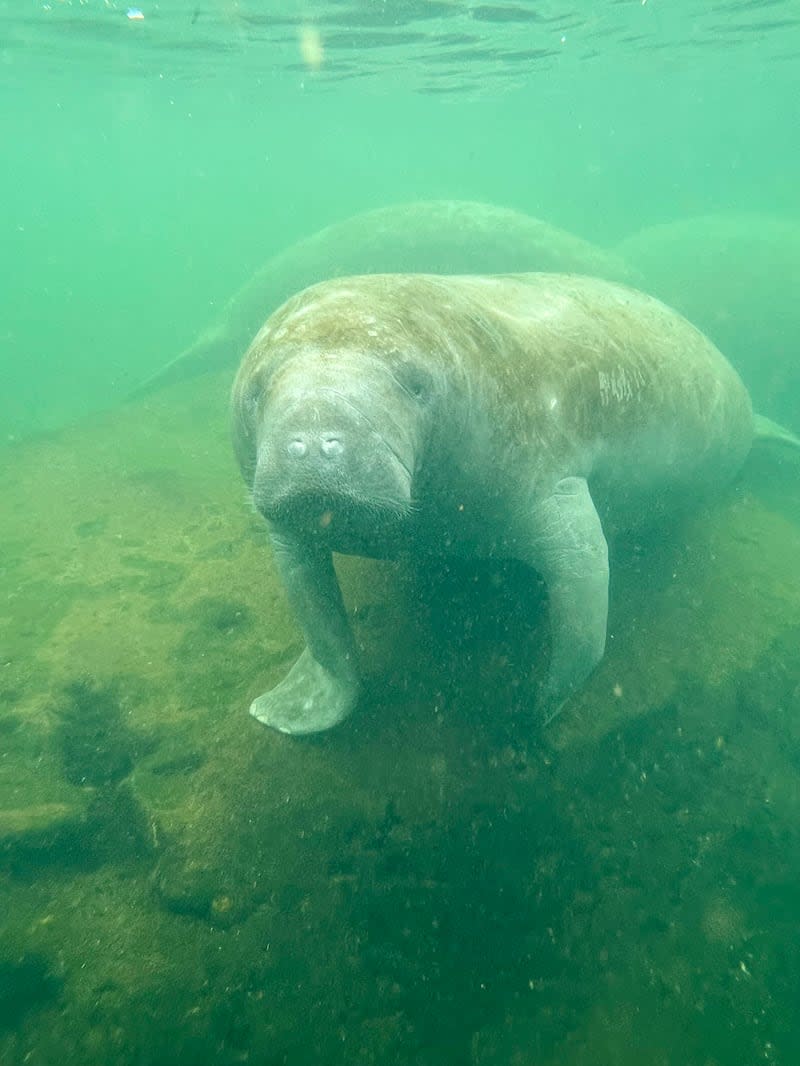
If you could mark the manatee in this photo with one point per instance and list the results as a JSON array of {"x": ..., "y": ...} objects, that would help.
[
  {"x": 737, "y": 277},
  {"x": 522, "y": 416},
  {"x": 431, "y": 236}
]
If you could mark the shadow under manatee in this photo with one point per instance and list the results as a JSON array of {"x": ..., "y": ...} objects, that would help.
[{"x": 472, "y": 642}]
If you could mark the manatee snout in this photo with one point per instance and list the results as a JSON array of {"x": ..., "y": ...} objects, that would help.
[{"x": 306, "y": 474}]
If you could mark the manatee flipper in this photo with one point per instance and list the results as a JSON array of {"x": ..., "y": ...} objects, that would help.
[
  {"x": 767, "y": 431},
  {"x": 322, "y": 687},
  {"x": 571, "y": 553}
]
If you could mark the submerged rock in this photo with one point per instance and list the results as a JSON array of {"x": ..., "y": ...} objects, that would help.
[{"x": 435, "y": 868}]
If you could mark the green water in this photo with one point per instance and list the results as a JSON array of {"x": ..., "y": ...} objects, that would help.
[
  {"x": 436, "y": 882},
  {"x": 154, "y": 164}
]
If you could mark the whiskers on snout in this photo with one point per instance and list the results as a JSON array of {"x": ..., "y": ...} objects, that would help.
[
  {"x": 340, "y": 513},
  {"x": 299, "y": 505}
]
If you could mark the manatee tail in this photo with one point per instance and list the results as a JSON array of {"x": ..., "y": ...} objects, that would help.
[
  {"x": 212, "y": 350},
  {"x": 773, "y": 433}
]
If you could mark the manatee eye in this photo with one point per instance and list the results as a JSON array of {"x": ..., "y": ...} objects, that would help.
[
  {"x": 416, "y": 381},
  {"x": 250, "y": 399},
  {"x": 255, "y": 390}
]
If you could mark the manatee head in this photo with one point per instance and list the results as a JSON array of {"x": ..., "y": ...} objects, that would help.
[{"x": 332, "y": 423}]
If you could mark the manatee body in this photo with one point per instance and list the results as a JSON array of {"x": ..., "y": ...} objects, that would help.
[
  {"x": 429, "y": 236},
  {"x": 522, "y": 416}
]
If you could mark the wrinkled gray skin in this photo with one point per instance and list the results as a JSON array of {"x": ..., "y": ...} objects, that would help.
[
  {"x": 427, "y": 236},
  {"x": 512, "y": 416}
]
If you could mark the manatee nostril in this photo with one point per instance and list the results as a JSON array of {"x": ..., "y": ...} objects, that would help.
[
  {"x": 331, "y": 446},
  {"x": 297, "y": 448}
]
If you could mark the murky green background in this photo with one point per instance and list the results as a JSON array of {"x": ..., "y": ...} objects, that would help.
[
  {"x": 435, "y": 882},
  {"x": 153, "y": 164}
]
